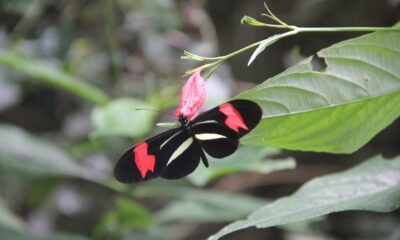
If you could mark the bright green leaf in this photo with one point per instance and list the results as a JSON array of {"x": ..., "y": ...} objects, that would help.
[
  {"x": 337, "y": 110},
  {"x": 246, "y": 158},
  {"x": 373, "y": 185},
  {"x": 121, "y": 117}
]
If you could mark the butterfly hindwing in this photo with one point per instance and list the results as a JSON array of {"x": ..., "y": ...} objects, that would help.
[
  {"x": 240, "y": 116},
  {"x": 218, "y": 141},
  {"x": 183, "y": 161}
]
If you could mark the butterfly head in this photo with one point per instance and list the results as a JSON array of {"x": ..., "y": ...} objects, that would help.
[{"x": 185, "y": 122}]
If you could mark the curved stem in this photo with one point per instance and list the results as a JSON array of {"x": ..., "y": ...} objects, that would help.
[
  {"x": 243, "y": 49},
  {"x": 219, "y": 60}
]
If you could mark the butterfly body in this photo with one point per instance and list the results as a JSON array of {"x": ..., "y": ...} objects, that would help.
[{"x": 177, "y": 152}]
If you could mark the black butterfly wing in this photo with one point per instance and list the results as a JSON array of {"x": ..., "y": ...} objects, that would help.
[
  {"x": 171, "y": 154},
  {"x": 184, "y": 160},
  {"x": 240, "y": 116},
  {"x": 218, "y": 130},
  {"x": 143, "y": 161}
]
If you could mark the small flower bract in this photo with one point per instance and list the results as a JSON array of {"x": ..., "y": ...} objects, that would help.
[{"x": 192, "y": 96}]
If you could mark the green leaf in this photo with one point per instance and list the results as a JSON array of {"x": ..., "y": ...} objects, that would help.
[
  {"x": 246, "y": 158},
  {"x": 267, "y": 42},
  {"x": 64, "y": 236},
  {"x": 251, "y": 21},
  {"x": 203, "y": 205},
  {"x": 48, "y": 74},
  {"x": 337, "y": 110},
  {"x": 121, "y": 117},
  {"x": 19, "y": 150},
  {"x": 209, "y": 206},
  {"x": 128, "y": 215},
  {"x": 10, "y": 234},
  {"x": 8, "y": 219},
  {"x": 373, "y": 185}
]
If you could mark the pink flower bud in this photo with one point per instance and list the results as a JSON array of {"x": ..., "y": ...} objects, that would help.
[{"x": 192, "y": 96}]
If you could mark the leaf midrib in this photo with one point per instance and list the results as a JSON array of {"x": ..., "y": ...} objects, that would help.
[{"x": 320, "y": 108}]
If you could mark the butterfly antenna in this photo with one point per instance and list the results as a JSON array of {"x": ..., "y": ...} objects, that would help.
[{"x": 153, "y": 110}]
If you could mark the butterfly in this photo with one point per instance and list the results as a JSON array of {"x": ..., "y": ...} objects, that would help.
[{"x": 177, "y": 152}]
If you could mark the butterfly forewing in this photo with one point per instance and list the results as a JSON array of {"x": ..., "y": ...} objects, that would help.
[
  {"x": 240, "y": 116},
  {"x": 147, "y": 159}
]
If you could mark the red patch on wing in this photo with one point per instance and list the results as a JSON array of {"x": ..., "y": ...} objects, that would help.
[
  {"x": 233, "y": 118},
  {"x": 144, "y": 161}
]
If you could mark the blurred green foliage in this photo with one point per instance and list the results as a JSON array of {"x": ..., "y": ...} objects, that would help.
[
  {"x": 72, "y": 74},
  {"x": 127, "y": 216}
]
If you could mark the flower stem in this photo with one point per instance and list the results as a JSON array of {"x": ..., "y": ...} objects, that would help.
[
  {"x": 216, "y": 61},
  {"x": 345, "y": 29}
]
